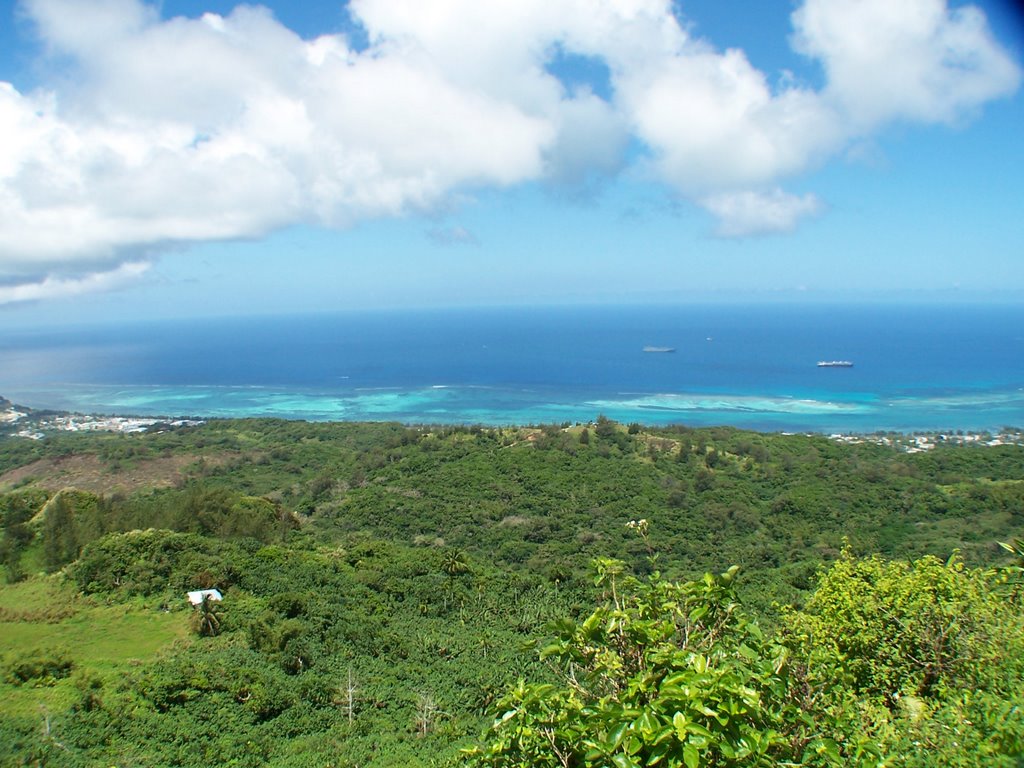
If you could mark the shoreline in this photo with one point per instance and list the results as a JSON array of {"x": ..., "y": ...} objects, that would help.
[{"x": 37, "y": 423}]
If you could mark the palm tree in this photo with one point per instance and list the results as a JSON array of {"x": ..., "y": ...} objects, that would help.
[
  {"x": 206, "y": 620},
  {"x": 1014, "y": 572},
  {"x": 454, "y": 564}
]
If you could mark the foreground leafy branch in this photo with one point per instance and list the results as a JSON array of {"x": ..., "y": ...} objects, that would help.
[
  {"x": 890, "y": 663},
  {"x": 668, "y": 674}
]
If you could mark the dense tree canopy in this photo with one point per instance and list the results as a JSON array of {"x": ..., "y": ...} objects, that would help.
[{"x": 391, "y": 591}]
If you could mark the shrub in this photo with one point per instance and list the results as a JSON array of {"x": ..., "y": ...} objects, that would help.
[
  {"x": 41, "y": 666},
  {"x": 665, "y": 674}
]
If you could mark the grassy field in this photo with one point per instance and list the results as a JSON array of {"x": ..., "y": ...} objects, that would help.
[{"x": 44, "y": 613}]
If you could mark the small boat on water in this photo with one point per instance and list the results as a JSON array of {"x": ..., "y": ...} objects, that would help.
[
  {"x": 659, "y": 349},
  {"x": 835, "y": 364}
]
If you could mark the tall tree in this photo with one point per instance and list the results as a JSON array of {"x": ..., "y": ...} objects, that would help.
[{"x": 60, "y": 537}]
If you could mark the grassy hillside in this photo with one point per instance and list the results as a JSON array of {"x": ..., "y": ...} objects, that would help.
[
  {"x": 380, "y": 581},
  {"x": 47, "y": 616}
]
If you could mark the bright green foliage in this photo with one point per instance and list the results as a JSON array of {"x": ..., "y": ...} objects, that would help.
[
  {"x": 16, "y": 509},
  {"x": 891, "y": 663},
  {"x": 901, "y": 628},
  {"x": 148, "y": 562},
  {"x": 931, "y": 654},
  {"x": 382, "y": 632},
  {"x": 1016, "y": 549},
  {"x": 1013, "y": 573},
  {"x": 667, "y": 674},
  {"x": 538, "y": 499},
  {"x": 60, "y": 539},
  {"x": 271, "y": 688},
  {"x": 41, "y": 665},
  {"x": 222, "y": 514}
]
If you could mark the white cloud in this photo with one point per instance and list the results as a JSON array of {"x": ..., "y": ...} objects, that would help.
[
  {"x": 907, "y": 60},
  {"x": 714, "y": 123},
  {"x": 747, "y": 213},
  {"x": 87, "y": 28},
  {"x": 51, "y": 287},
  {"x": 170, "y": 131}
]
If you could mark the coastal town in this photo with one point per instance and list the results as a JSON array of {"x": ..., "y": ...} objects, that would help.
[
  {"x": 20, "y": 421},
  {"x": 926, "y": 441}
]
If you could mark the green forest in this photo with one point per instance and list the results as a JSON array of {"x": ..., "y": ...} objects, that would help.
[{"x": 557, "y": 595}]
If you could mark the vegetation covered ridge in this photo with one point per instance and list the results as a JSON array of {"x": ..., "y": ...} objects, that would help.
[{"x": 389, "y": 592}]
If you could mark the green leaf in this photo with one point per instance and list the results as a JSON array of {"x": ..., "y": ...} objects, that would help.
[
  {"x": 664, "y": 734},
  {"x": 658, "y": 754},
  {"x": 647, "y": 723},
  {"x": 698, "y": 730},
  {"x": 830, "y": 749},
  {"x": 691, "y": 757},
  {"x": 747, "y": 652},
  {"x": 616, "y": 735},
  {"x": 551, "y": 650},
  {"x": 680, "y": 722}
]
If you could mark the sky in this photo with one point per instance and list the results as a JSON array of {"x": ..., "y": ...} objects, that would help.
[{"x": 198, "y": 157}]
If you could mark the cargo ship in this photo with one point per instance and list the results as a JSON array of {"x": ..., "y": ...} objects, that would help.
[
  {"x": 659, "y": 349},
  {"x": 835, "y": 364}
]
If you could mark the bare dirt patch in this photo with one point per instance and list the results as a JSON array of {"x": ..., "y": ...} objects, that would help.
[{"x": 89, "y": 473}]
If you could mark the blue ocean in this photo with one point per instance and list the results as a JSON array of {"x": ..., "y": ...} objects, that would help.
[{"x": 914, "y": 367}]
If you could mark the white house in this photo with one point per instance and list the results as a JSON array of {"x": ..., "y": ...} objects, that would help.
[{"x": 197, "y": 597}]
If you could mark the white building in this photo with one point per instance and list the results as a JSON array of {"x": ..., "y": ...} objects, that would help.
[{"x": 197, "y": 597}]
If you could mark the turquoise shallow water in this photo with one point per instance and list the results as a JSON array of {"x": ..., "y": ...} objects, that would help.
[
  {"x": 934, "y": 368},
  {"x": 990, "y": 410}
]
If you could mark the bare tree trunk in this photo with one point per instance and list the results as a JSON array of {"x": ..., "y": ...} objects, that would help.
[
  {"x": 426, "y": 713},
  {"x": 350, "y": 693}
]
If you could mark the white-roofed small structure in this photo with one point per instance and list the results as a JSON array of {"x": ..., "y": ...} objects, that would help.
[{"x": 197, "y": 597}]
